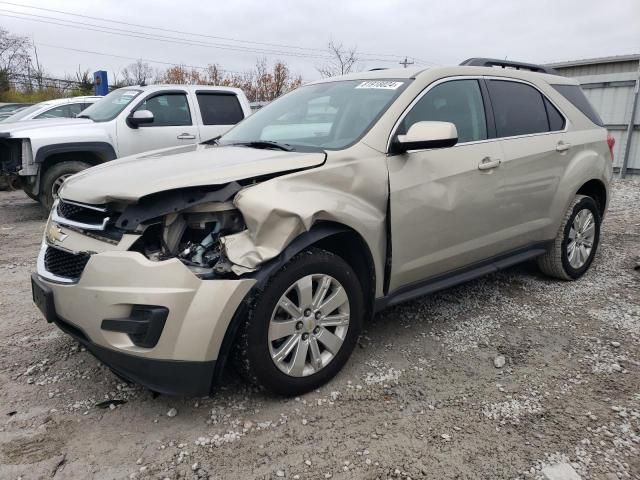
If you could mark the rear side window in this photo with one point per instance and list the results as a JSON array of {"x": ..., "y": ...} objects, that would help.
[
  {"x": 576, "y": 96},
  {"x": 518, "y": 108},
  {"x": 219, "y": 108},
  {"x": 60, "y": 111}
]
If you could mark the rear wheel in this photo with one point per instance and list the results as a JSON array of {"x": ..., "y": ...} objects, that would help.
[
  {"x": 575, "y": 245},
  {"x": 54, "y": 177},
  {"x": 302, "y": 328}
]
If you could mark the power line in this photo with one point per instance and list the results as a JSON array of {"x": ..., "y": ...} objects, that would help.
[
  {"x": 278, "y": 45},
  {"x": 148, "y": 36},
  {"x": 160, "y": 62}
]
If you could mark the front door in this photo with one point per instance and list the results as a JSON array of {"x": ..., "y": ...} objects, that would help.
[
  {"x": 444, "y": 210},
  {"x": 173, "y": 125}
]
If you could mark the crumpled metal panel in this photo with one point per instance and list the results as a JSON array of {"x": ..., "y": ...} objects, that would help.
[{"x": 345, "y": 190}]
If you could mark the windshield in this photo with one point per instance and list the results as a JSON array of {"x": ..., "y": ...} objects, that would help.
[
  {"x": 330, "y": 115},
  {"x": 25, "y": 112},
  {"x": 110, "y": 106}
]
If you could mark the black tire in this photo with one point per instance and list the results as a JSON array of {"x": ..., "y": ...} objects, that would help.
[
  {"x": 555, "y": 262},
  {"x": 49, "y": 183},
  {"x": 252, "y": 356}
]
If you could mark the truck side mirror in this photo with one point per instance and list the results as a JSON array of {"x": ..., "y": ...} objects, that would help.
[{"x": 139, "y": 117}]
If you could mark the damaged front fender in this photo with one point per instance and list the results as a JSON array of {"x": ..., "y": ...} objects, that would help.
[{"x": 275, "y": 212}]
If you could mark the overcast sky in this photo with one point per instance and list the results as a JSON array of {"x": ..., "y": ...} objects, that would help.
[{"x": 429, "y": 31}]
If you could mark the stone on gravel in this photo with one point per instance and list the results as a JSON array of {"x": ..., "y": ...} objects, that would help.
[
  {"x": 560, "y": 471},
  {"x": 499, "y": 361},
  {"x": 279, "y": 473},
  {"x": 172, "y": 412}
]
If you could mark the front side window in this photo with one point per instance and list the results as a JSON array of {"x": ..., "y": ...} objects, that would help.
[
  {"x": 518, "y": 108},
  {"x": 219, "y": 108},
  {"x": 457, "y": 101},
  {"x": 110, "y": 106},
  {"x": 328, "y": 115},
  {"x": 169, "y": 110}
]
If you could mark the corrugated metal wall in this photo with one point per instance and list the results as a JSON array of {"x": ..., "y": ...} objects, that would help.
[{"x": 610, "y": 87}]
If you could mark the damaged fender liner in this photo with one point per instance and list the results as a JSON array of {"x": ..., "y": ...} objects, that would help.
[{"x": 163, "y": 203}]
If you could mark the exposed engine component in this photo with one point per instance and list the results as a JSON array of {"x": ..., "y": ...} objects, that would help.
[{"x": 193, "y": 236}]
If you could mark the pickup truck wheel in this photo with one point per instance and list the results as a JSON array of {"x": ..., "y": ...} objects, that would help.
[
  {"x": 54, "y": 177},
  {"x": 575, "y": 245},
  {"x": 302, "y": 328}
]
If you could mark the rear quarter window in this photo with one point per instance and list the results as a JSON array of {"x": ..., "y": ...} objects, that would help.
[
  {"x": 576, "y": 96},
  {"x": 219, "y": 108}
]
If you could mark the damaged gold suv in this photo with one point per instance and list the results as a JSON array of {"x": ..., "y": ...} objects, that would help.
[{"x": 273, "y": 243}]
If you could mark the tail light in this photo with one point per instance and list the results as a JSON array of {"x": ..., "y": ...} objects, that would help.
[{"x": 611, "y": 142}]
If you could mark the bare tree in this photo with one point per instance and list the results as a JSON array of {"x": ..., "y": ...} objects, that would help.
[
  {"x": 14, "y": 59},
  {"x": 343, "y": 60},
  {"x": 137, "y": 73}
]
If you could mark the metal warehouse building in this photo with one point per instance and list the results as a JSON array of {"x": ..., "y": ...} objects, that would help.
[{"x": 611, "y": 84}]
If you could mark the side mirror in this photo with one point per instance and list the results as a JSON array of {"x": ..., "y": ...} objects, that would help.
[
  {"x": 424, "y": 135},
  {"x": 139, "y": 117}
]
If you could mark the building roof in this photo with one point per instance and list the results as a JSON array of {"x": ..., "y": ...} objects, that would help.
[{"x": 594, "y": 61}]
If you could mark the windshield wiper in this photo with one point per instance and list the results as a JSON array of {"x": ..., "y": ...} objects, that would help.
[
  {"x": 266, "y": 144},
  {"x": 212, "y": 141}
]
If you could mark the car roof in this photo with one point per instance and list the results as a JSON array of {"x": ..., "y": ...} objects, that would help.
[
  {"x": 190, "y": 88},
  {"x": 446, "y": 71},
  {"x": 62, "y": 101}
]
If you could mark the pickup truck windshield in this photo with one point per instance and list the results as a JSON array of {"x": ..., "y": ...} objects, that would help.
[
  {"x": 330, "y": 115},
  {"x": 110, "y": 106}
]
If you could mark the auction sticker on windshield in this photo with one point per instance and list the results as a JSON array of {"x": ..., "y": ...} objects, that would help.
[{"x": 384, "y": 85}]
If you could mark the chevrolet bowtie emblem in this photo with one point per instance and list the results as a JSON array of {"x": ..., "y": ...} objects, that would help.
[{"x": 54, "y": 234}]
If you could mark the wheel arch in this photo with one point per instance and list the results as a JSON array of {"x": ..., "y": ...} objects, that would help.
[
  {"x": 595, "y": 189},
  {"x": 93, "y": 153},
  {"x": 331, "y": 236}
]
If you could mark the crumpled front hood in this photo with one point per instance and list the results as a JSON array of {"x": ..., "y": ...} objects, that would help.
[
  {"x": 130, "y": 178},
  {"x": 19, "y": 129}
]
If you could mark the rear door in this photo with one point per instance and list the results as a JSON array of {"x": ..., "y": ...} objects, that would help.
[
  {"x": 536, "y": 154},
  {"x": 173, "y": 124},
  {"x": 219, "y": 111},
  {"x": 444, "y": 210}
]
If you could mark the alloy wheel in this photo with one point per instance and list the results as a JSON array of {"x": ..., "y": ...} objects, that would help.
[
  {"x": 308, "y": 325},
  {"x": 581, "y": 237}
]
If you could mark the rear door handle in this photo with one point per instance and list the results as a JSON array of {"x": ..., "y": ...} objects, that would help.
[
  {"x": 488, "y": 163},
  {"x": 186, "y": 136},
  {"x": 562, "y": 147}
]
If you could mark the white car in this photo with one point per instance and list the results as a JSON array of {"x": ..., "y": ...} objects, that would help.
[
  {"x": 59, "y": 108},
  {"x": 39, "y": 156}
]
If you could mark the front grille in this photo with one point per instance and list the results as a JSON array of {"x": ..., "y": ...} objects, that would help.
[
  {"x": 65, "y": 264},
  {"x": 78, "y": 213}
]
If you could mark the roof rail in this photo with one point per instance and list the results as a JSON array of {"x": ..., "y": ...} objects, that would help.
[
  {"x": 494, "y": 62},
  {"x": 377, "y": 68}
]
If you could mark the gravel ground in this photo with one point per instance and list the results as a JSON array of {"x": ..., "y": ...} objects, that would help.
[{"x": 425, "y": 395}]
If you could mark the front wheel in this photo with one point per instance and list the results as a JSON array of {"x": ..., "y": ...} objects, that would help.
[
  {"x": 302, "y": 328},
  {"x": 575, "y": 245},
  {"x": 54, "y": 177}
]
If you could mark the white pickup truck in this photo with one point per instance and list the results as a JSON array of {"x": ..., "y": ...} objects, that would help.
[{"x": 39, "y": 156}]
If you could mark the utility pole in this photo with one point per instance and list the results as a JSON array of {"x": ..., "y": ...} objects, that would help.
[{"x": 406, "y": 62}]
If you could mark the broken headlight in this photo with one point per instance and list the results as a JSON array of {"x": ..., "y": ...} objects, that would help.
[{"x": 193, "y": 237}]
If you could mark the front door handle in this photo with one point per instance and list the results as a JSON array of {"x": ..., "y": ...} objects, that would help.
[
  {"x": 562, "y": 146},
  {"x": 488, "y": 163},
  {"x": 186, "y": 136}
]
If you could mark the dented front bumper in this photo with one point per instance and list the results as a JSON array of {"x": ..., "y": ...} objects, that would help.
[{"x": 116, "y": 285}]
